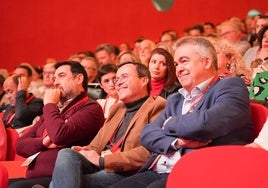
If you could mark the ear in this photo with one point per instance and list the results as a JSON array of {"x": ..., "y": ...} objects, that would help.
[
  {"x": 80, "y": 78},
  {"x": 113, "y": 57},
  {"x": 207, "y": 62},
  {"x": 145, "y": 81}
]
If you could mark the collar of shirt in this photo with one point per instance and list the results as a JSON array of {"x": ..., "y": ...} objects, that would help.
[
  {"x": 61, "y": 106},
  {"x": 190, "y": 97}
]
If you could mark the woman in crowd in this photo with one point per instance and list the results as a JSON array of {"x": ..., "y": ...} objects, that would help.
[
  {"x": 256, "y": 55},
  {"x": 230, "y": 61},
  {"x": 126, "y": 56},
  {"x": 162, "y": 69}
]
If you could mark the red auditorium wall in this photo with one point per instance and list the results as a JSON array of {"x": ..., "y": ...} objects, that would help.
[{"x": 34, "y": 30}]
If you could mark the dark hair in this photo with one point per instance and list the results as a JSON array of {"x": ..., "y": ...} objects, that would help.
[
  {"x": 87, "y": 53},
  {"x": 105, "y": 69},
  {"x": 198, "y": 27},
  {"x": 142, "y": 71},
  {"x": 210, "y": 24},
  {"x": 28, "y": 69},
  {"x": 76, "y": 68},
  {"x": 172, "y": 33},
  {"x": 261, "y": 34},
  {"x": 110, "y": 49},
  {"x": 171, "y": 70}
]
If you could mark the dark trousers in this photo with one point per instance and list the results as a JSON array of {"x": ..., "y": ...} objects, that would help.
[
  {"x": 147, "y": 179},
  {"x": 28, "y": 183}
]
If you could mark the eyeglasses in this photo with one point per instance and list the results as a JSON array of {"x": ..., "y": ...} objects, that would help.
[{"x": 123, "y": 78}]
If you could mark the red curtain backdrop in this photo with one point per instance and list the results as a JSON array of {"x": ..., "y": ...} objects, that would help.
[{"x": 33, "y": 30}]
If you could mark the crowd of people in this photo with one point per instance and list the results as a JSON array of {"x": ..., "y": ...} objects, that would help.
[{"x": 123, "y": 117}]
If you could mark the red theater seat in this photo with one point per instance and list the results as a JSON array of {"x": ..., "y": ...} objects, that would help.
[{"x": 221, "y": 167}]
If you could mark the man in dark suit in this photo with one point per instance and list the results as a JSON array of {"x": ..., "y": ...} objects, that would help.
[{"x": 207, "y": 111}]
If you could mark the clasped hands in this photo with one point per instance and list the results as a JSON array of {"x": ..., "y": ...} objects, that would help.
[{"x": 48, "y": 143}]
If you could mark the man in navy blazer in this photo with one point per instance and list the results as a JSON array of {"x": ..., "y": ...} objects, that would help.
[{"x": 207, "y": 111}]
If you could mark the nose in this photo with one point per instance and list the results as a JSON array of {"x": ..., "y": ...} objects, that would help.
[
  {"x": 179, "y": 68},
  {"x": 55, "y": 82}
]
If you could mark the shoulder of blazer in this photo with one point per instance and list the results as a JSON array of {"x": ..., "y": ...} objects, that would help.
[{"x": 154, "y": 101}]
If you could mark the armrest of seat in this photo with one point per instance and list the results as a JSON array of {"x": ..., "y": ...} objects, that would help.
[
  {"x": 14, "y": 168},
  {"x": 3, "y": 176}
]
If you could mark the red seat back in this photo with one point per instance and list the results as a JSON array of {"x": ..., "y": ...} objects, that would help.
[
  {"x": 3, "y": 176},
  {"x": 221, "y": 167},
  {"x": 259, "y": 114},
  {"x": 12, "y": 137}
]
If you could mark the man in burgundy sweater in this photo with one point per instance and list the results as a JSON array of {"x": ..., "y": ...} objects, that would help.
[{"x": 69, "y": 118}]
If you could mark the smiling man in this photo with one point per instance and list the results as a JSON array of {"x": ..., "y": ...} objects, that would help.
[
  {"x": 115, "y": 152},
  {"x": 207, "y": 111}
]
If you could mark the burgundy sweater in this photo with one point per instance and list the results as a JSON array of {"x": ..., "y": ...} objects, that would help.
[{"x": 77, "y": 124}]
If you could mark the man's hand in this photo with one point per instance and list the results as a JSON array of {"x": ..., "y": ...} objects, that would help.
[
  {"x": 190, "y": 143},
  {"x": 91, "y": 155},
  {"x": 253, "y": 145},
  {"x": 22, "y": 85},
  {"x": 52, "y": 95},
  {"x": 48, "y": 143}
]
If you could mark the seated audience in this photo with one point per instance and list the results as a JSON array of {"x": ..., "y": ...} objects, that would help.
[
  {"x": 70, "y": 118},
  {"x": 136, "y": 48},
  {"x": 107, "y": 74},
  {"x": 145, "y": 52},
  {"x": 209, "y": 29},
  {"x": 23, "y": 106},
  {"x": 127, "y": 56},
  {"x": 115, "y": 153},
  {"x": 230, "y": 61},
  {"x": 48, "y": 75},
  {"x": 257, "y": 54},
  {"x": 207, "y": 111},
  {"x": 231, "y": 32},
  {"x": 163, "y": 76},
  {"x": 91, "y": 66},
  {"x": 196, "y": 30},
  {"x": 105, "y": 53},
  {"x": 169, "y": 37},
  {"x": 124, "y": 47},
  {"x": 36, "y": 81},
  {"x": 165, "y": 46}
]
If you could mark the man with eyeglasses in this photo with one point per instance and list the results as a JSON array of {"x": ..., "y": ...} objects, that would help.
[
  {"x": 94, "y": 89},
  {"x": 115, "y": 152},
  {"x": 48, "y": 74}
]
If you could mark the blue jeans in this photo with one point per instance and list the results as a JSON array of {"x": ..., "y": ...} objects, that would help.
[{"x": 73, "y": 170}]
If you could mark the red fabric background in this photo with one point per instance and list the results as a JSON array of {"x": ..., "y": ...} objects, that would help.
[{"x": 34, "y": 30}]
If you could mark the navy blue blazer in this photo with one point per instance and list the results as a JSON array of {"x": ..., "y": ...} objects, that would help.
[{"x": 222, "y": 115}]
